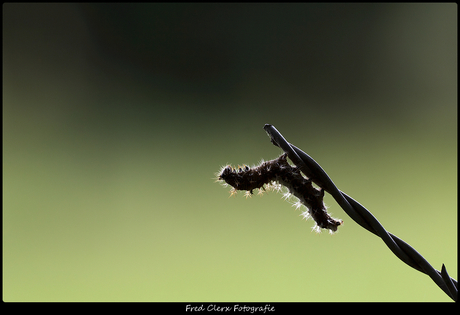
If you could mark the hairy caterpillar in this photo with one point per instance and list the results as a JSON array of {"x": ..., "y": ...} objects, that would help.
[{"x": 281, "y": 172}]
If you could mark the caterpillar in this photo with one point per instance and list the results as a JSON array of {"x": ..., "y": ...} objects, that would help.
[{"x": 277, "y": 173}]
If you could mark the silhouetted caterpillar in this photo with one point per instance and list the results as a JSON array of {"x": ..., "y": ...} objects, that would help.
[{"x": 281, "y": 172}]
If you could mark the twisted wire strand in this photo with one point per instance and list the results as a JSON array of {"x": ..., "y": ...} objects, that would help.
[{"x": 362, "y": 216}]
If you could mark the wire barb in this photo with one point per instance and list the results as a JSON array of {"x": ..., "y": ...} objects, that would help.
[{"x": 361, "y": 215}]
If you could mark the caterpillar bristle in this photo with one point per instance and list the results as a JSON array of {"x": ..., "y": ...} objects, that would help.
[{"x": 274, "y": 174}]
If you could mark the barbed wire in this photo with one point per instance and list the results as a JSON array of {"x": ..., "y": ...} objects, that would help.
[{"x": 362, "y": 216}]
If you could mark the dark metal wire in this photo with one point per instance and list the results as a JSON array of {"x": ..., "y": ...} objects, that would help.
[{"x": 362, "y": 216}]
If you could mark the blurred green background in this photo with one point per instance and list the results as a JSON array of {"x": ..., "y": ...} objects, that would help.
[{"x": 116, "y": 118}]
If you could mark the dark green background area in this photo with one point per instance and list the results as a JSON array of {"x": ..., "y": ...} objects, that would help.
[{"x": 116, "y": 118}]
